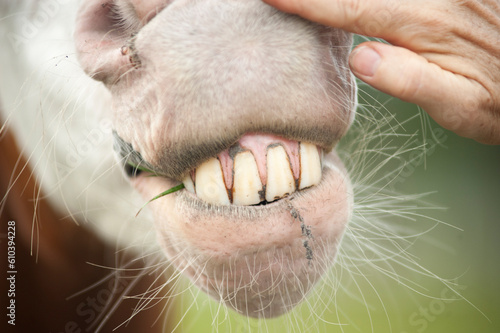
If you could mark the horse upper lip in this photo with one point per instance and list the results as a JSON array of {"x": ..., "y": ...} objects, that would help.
[{"x": 177, "y": 162}]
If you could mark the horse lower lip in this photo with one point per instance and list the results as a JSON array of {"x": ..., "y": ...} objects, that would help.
[{"x": 216, "y": 243}]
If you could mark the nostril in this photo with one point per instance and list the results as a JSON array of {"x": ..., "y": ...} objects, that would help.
[
  {"x": 97, "y": 41},
  {"x": 100, "y": 34},
  {"x": 102, "y": 30}
]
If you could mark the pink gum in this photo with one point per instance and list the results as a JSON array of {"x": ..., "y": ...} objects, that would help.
[{"x": 257, "y": 144}]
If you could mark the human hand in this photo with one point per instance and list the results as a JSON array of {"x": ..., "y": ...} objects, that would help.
[{"x": 445, "y": 55}]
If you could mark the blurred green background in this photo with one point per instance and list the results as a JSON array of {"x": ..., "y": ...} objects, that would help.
[{"x": 461, "y": 179}]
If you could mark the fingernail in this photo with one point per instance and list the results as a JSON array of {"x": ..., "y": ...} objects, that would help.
[{"x": 364, "y": 61}]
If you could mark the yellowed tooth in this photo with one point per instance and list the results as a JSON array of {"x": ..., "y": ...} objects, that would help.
[
  {"x": 310, "y": 165},
  {"x": 210, "y": 185},
  {"x": 280, "y": 180},
  {"x": 188, "y": 184},
  {"x": 246, "y": 184}
]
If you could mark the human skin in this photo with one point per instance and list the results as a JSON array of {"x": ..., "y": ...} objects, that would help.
[{"x": 444, "y": 55}]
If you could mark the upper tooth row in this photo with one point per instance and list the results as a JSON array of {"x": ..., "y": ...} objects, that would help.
[{"x": 247, "y": 188}]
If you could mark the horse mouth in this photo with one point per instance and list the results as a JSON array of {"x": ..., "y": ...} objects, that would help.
[
  {"x": 260, "y": 221},
  {"x": 257, "y": 170}
]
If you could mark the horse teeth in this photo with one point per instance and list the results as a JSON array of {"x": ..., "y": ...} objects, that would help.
[
  {"x": 280, "y": 181},
  {"x": 209, "y": 183},
  {"x": 251, "y": 183},
  {"x": 246, "y": 184},
  {"x": 310, "y": 165}
]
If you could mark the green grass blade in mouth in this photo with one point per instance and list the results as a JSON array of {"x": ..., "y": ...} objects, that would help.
[{"x": 169, "y": 191}]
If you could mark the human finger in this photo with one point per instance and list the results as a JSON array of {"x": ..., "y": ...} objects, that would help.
[{"x": 453, "y": 101}]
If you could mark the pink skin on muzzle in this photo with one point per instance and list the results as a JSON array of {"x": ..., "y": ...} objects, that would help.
[{"x": 191, "y": 78}]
